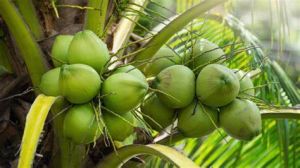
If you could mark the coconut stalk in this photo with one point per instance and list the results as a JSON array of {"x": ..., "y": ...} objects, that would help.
[
  {"x": 174, "y": 26},
  {"x": 29, "y": 14},
  {"x": 289, "y": 113},
  {"x": 69, "y": 154},
  {"x": 127, "y": 24},
  {"x": 181, "y": 6},
  {"x": 95, "y": 17},
  {"x": 125, "y": 28},
  {"x": 29, "y": 49},
  {"x": 284, "y": 113},
  {"x": 169, "y": 139}
]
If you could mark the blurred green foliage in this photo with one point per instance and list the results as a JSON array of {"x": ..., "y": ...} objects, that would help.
[{"x": 276, "y": 23}]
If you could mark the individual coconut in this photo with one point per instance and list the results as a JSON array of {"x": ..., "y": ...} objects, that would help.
[
  {"x": 59, "y": 52},
  {"x": 132, "y": 71},
  {"x": 119, "y": 127},
  {"x": 122, "y": 92},
  {"x": 162, "y": 59},
  {"x": 157, "y": 115},
  {"x": 217, "y": 85},
  {"x": 241, "y": 119},
  {"x": 79, "y": 83},
  {"x": 49, "y": 84},
  {"x": 80, "y": 124},
  {"x": 197, "y": 120},
  {"x": 87, "y": 48},
  {"x": 176, "y": 85},
  {"x": 204, "y": 52},
  {"x": 246, "y": 85}
]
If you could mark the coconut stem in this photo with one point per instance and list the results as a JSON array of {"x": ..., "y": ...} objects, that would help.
[
  {"x": 170, "y": 139},
  {"x": 174, "y": 26},
  {"x": 27, "y": 10},
  {"x": 95, "y": 18},
  {"x": 70, "y": 154},
  {"x": 27, "y": 45},
  {"x": 150, "y": 80}
]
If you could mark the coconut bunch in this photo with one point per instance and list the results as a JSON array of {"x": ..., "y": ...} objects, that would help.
[
  {"x": 202, "y": 96},
  {"x": 80, "y": 62}
]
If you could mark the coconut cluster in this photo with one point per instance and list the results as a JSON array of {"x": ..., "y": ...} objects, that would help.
[
  {"x": 196, "y": 97},
  {"x": 80, "y": 64},
  {"x": 201, "y": 96}
]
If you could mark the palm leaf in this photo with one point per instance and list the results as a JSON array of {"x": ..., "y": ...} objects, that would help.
[{"x": 124, "y": 154}]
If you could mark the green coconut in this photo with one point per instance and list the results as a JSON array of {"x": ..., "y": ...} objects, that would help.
[
  {"x": 79, "y": 83},
  {"x": 204, "y": 52},
  {"x": 132, "y": 71},
  {"x": 80, "y": 124},
  {"x": 163, "y": 58},
  {"x": 176, "y": 85},
  {"x": 241, "y": 119},
  {"x": 49, "y": 84},
  {"x": 157, "y": 115},
  {"x": 197, "y": 120},
  {"x": 246, "y": 85},
  {"x": 59, "y": 52},
  {"x": 217, "y": 85},
  {"x": 123, "y": 92},
  {"x": 119, "y": 127},
  {"x": 87, "y": 48}
]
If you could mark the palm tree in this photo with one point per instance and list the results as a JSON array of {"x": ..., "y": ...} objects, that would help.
[{"x": 134, "y": 32}]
